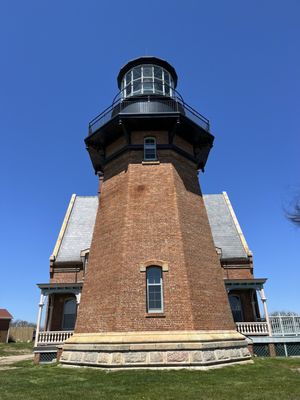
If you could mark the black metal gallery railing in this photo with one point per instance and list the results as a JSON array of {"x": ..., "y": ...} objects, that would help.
[{"x": 148, "y": 105}]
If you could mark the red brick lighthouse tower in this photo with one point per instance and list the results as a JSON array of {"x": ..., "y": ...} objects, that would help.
[{"x": 153, "y": 295}]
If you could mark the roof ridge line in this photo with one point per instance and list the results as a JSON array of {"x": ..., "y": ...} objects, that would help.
[
  {"x": 236, "y": 224},
  {"x": 63, "y": 228}
]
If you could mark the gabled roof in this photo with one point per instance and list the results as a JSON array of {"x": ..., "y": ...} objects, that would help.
[
  {"x": 78, "y": 226},
  {"x": 77, "y": 229},
  {"x": 4, "y": 314},
  {"x": 226, "y": 231}
]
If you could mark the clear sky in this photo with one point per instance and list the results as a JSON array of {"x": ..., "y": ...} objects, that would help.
[{"x": 238, "y": 64}]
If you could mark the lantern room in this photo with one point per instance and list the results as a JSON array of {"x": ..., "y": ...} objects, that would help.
[
  {"x": 148, "y": 101},
  {"x": 147, "y": 76}
]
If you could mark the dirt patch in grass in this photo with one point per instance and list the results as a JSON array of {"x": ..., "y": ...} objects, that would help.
[
  {"x": 11, "y": 349},
  {"x": 14, "y": 359}
]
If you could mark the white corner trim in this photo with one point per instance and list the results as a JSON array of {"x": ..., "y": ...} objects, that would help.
[
  {"x": 63, "y": 228},
  {"x": 237, "y": 225}
]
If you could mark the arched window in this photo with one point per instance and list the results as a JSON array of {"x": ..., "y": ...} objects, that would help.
[
  {"x": 149, "y": 149},
  {"x": 69, "y": 316},
  {"x": 154, "y": 289},
  {"x": 236, "y": 308}
]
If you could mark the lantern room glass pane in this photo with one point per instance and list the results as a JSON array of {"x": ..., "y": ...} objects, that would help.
[
  {"x": 137, "y": 86},
  {"x": 158, "y": 87},
  {"x": 147, "y": 71},
  {"x": 158, "y": 72},
  {"x": 128, "y": 77},
  {"x": 137, "y": 72},
  {"x": 128, "y": 90},
  {"x": 148, "y": 85},
  {"x": 167, "y": 77}
]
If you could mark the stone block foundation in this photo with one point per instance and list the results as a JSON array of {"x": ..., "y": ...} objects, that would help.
[{"x": 156, "y": 350}]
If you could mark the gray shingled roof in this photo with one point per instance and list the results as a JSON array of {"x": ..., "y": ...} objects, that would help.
[
  {"x": 80, "y": 226},
  {"x": 79, "y": 230},
  {"x": 224, "y": 229}
]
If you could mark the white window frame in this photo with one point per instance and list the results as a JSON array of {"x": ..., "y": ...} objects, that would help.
[{"x": 160, "y": 284}]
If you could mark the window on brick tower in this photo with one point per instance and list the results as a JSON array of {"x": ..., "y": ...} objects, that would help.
[
  {"x": 154, "y": 289},
  {"x": 69, "y": 317},
  {"x": 150, "y": 149}
]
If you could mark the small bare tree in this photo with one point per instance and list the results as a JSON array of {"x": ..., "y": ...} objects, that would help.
[
  {"x": 283, "y": 313},
  {"x": 20, "y": 322},
  {"x": 294, "y": 213},
  {"x": 292, "y": 205}
]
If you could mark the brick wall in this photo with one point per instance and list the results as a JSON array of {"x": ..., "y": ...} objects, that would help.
[
  {"x": 66, "y": 275},
  {"x": 137, "y": 137},
  {"x": 238, "y": 273},
  {"x": 152, "y": 212},
  {"x": 183, "y": 144},
  {"x": 115, "y": 146}
]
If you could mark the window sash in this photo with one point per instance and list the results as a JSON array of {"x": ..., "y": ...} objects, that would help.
[
  {"x": 69, "y": 314},
  {"x": 155, "y": 295},
  {"x": 150, "y": 149}
]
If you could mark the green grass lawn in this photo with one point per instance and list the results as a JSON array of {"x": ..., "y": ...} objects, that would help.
[
  {"x": 267, "y": 378},
  {"x": 13, "y": 349}
]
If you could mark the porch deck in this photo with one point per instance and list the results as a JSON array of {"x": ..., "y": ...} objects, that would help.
[{"x": 280, "y": 326}]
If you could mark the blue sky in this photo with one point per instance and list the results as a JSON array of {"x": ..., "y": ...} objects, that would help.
[{"x": 238, "y": 64}]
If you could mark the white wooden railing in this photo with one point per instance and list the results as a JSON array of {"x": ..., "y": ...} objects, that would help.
[
  {"x": 285, "y": 325},
  {"x": 253, "y": 328},
  {"x": 53, "y": 337}
]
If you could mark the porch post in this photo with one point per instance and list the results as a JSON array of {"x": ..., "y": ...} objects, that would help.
[
  {"x": 264, "y": 301},
  {"x": 39, "y": 318},
  {"x": 253, "y": 306},
  {"x": 49, "y": 321}
]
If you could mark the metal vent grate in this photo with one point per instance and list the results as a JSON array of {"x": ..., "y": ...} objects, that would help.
[
  {"x": 261, "y": 350},
  {"x": 47, "y": 357}
]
